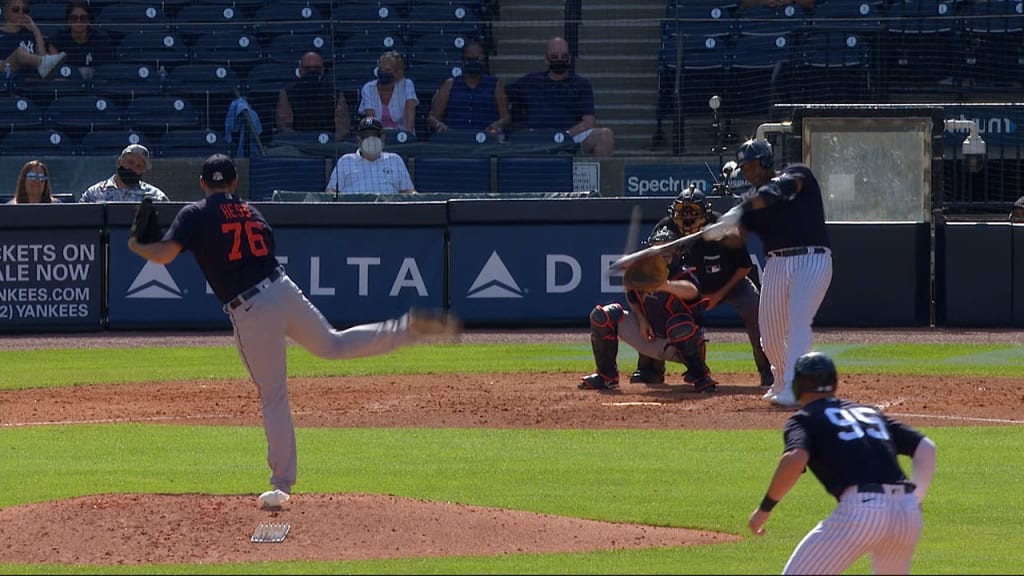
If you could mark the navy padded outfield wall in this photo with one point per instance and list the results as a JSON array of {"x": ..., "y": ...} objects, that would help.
[{"x": 507, "y": 262}]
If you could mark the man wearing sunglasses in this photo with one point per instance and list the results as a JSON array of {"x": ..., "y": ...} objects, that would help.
[
  {"x": 126, "y": 184},
  {"x": 22, "y": 44}
]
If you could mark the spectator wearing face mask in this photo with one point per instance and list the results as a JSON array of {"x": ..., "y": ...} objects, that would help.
[
  {"x": 317, "y": 106},
  {"x": 126, "y": 184},
  {"x": 370, "y": 170},
  {"x": 475, "y": 101},
  {"x": 559, "y": 99},
  {"x": 391, "y": 98}
]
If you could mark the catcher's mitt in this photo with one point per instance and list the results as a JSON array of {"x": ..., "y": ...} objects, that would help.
[
  {"x": 146, "y": 224},
  {"x": 646, "y": 275}
]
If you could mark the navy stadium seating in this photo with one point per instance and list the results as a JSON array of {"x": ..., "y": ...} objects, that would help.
[
  {"x": 110, "y": 142},
  {"x": 534, "y": 174},
  {"x": 40, "y": 142},
  {"x": 158, "y": 114},
  {"x": 439, "y": 175}
]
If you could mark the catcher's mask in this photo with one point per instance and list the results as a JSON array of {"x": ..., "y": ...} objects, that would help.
[
  {"x": 690, "y": 211},
  {"x": 755, "y": 150},
  {"x": 814, "y": 372}
]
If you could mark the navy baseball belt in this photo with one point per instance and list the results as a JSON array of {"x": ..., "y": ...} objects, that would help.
[
  {"x": 877, "y": 488},
  {"x": 798, "y": 251},
  {"x": 260, "y": 286}
]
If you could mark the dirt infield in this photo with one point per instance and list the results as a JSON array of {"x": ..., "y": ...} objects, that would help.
[{"x": 160, "y": 528}]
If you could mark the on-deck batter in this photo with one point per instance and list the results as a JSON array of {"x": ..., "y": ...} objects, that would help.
[{"x": 852, "y": 450}]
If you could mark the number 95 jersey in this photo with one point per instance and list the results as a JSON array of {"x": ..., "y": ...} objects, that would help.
[
  {"x": 850, "y": 443},
  {"x": 231, "y": 241}
]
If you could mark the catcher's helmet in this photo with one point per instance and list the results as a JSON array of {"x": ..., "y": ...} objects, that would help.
[
  {"x": 662, "y": 235},
  {"x": 690, "y": 210},
  {"x": 814, "y": 372},
  {"x": 755, "y": 150}
]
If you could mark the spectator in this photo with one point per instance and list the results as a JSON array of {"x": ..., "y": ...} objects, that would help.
[
  {"x": 22, "y": 44},
  {"x": 559, "y": 99},
  {"x": 33, "y": 185},
  {"x": 1017, "y": 212},
  {"x": 318, "y": 108},
  {"x": 126, "y": 184},
  {"x": 391, "y": 98},
  {"x": 84, "y": 44},
  {"x": 475, "y": 101},
  {"x": 370, "y": 170}
]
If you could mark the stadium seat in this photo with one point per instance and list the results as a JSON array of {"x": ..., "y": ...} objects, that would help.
[
  {"x": 269, "y": 173},
  {"x": 197, "y": 143},
  {"x": 438, "y": 175},
  {"x": 766, "y": 21},
  {"x": 919, "y": 48},
  {"x": 198, "y": 19},
  {"x": 367, "y": 48},
  {"x": 428, "y": 76},
  {"x": 700, "y": 19},
  {"x": 163, "y": 49},
  {"x": 19, "y": 113},
  {"x": 127, "y": 18},
  {"x": 124, "y": 80},
  {"x": 534, "y": 174},
  {"x": 289, "y": 48},
  {"x": 435, "y": 18},
  {"x": 109, "y": 142},
  {"x": 75, "y": 115},
  {"x": 863, "y": 17},
  {"x": 39, "y": 143},
  {"x": 993, "y": 33},
  {"x": 274, "y": 19},
  {"x": 438, "y": 48},
  {"x": 361, "y": 17},
  {"x": 158, "y": 114},
  {"x": 834, "y": 66},
  {"x": 760, "y": 66},
  {"x": 203, "y": 79},
  {"x": 238, "y": 50}
]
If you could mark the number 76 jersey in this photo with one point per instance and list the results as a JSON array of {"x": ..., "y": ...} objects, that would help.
[
  {"x": 231, "y": 241},
  {"x": 850, "y": 443}
]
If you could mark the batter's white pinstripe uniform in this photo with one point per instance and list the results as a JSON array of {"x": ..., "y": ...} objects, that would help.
[
  {"x": 354, "y": 174},
  {"x": 789, "y": 216}
]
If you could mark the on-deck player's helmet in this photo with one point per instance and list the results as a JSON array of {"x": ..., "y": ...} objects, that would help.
[
  {"x": 690, "y": 210},
  {"x": 755, "y": 149},
  {"x": 814, "y": 372}
]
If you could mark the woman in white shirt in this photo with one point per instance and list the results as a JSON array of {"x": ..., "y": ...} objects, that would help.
[{"x": 391, "y": 98}]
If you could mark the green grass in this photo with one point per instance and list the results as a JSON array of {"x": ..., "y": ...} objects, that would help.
[
  {"x": 687, "y": 478},
  {"x": 20, "y": 369}
]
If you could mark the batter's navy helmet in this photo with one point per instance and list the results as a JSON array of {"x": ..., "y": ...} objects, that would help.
[
  {"x": 755, "y": 150},
  {"x": 814, "y": 372}
]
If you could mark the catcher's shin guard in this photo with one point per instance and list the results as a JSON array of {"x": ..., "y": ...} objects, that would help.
[
  {"x": 605, "y": 352},
  {"x": 648, "y": 371}
]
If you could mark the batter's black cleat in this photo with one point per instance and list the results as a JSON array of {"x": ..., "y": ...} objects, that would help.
[
  {"x": 597, "y": 382},
  {"x": 767, "y": 380},
  {"x": 705, "y": 384},
  {"x": 647, "y": 377}
]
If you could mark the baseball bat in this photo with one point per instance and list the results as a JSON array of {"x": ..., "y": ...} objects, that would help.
[{"x": 628, "y": 259}]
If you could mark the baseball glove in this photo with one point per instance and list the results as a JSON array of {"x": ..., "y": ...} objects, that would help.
[
  {"x": 646, "y": 275},
  {"x": 146, "y": 224}
]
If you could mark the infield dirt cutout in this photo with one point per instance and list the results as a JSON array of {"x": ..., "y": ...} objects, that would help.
[{"x": 202, "y": 528}]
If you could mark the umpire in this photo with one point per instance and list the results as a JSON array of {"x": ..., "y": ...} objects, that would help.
[{"x": 722, "y": 271}]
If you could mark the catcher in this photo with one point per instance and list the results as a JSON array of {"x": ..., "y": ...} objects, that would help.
[
  {"x": 722, "y": 270},
  {"x": 663, "y": 321}
]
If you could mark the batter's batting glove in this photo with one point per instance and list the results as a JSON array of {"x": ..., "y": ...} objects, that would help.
[{"x": 424, "y": 323}]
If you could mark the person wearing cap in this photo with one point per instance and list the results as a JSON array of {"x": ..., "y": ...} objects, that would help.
[
  {"x": 370, "y": 170},
  {"x": 126, "y": 184},
  {"x": 234, "y": 246}
]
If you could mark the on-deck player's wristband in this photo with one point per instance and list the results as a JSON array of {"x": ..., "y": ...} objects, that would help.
[{"x": 767, "y": 504}]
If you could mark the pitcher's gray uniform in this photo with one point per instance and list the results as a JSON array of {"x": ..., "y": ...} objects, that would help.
[
  {"x": 852, "y": 449},
  {"x": 235, "y": 249}
]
